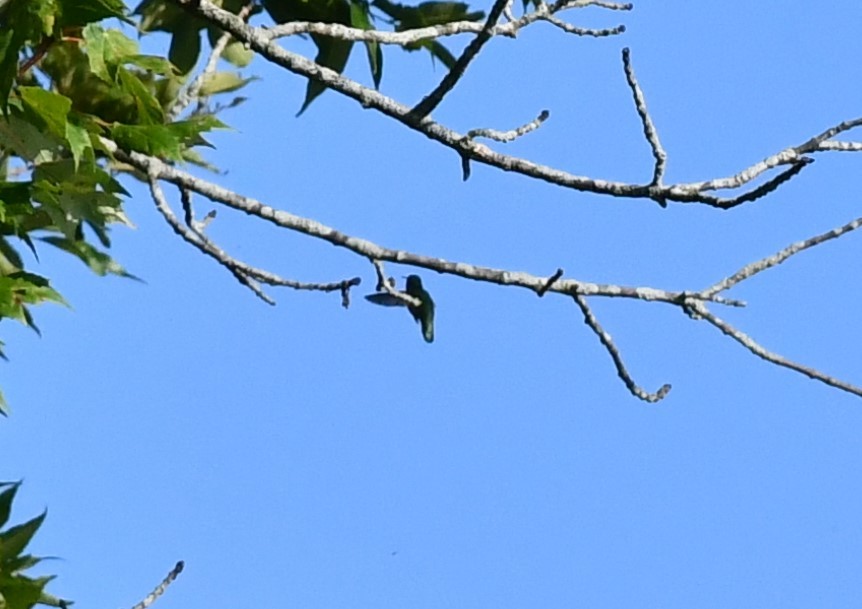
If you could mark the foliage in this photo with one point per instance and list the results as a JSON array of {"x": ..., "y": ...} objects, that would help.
[
  {"x": 70, "y": 85},
  {"x": 66, "y": 82},
  {"x": 17, "y": 589},
  {"x": 162, "y": 15}
]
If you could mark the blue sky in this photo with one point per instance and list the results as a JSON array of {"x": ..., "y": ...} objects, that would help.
[{"x": 310, "y": 456}]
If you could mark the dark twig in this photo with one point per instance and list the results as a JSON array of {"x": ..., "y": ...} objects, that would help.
[
  {"x": 433, "y": 99},
  {"x": 611, "y": 348},
  {"x": 188, "y": 210},
  {"x": 160, "y": 589},
  {"x": 551, "y": 281},
  {"x": 767, "y": 187}
]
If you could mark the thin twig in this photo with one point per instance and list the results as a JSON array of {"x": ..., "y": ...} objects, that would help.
[
  {"x": 201, "y": 243},
  {"x": 749, "y": 343},
  {"x": 756, "y": 267},
  {"x": 246, "y": 274},
  {"x": 580, "y": 31},
  {"x": 788, "y": 156},
  {"x": 649, "y": 128},
  {"x": 160, "y": 589},
  {"x": 433, "y": 99},
  {"x": 384, "y": 284},
  {"x": 551, "y": 281},
  {"x": 512, "y": 134},
  {"x": 612, "y": 350},
  {"x": 193, "y": 91}
]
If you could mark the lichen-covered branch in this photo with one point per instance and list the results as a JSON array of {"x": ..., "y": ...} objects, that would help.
[
  {"x": 162, "y": 587},
  {"x": 510, "y": 29},
  {"x": 757, "y": 349},
  {"x": 753, "y": 268},
  {"x": 247, "y": 275},
  {"x": 261, "y": 40},
  {"x": 692, "y": 302},
  {"x": 157, "y": 169},
  {"x": 608, "y": 343}
]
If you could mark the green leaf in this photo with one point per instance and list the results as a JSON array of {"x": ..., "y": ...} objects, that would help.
[
  {"x": 238, "y": 54},
  {"x": 427, "y": 14},
  {"x": 46, "y": 109},
  {"x": 78, "y": 13},
  {"x": 10, "y": 46},
  {"x": 7, "y": 496},
  {"x": 99, "y": 262},
  {"x": 15, "y": 539},
  {"x": 440, "y": 52},
  {"x": 94, "y": 37},
  {"x": 159, "y": 15},
  {"x": 21, "y": 592},
  {"x": 360, "y": 18},
  {"x": 185, "y": 48},
  {"x": 332, "y": 54},
  {"x": 25, "y": 139},
  {"x": 119, "y": 47},
  {"x": 4, "y": 407},
  {"x": 22, "y": 563},
  {"x": 79, "y": 142},
  {"x": 9, "y": 258},
  {"x": 222, "y": 82},
  {"x": 32, "y": 288},
  {"x": 149, "y": 110},
  {"x": 152, "y": 63},
  {"x": 155, "y": 140}
]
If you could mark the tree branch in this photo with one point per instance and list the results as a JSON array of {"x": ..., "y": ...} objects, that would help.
[
  {"x": 749, "y": 343},
  {"x": 612, "y": 350},
  {"x": 261, "y": 41},
  {"x": 246, "y": 274},
  {"x": 756, "y": 267},
  {"x": 162, "y": 587},
  {"x": 412, "y": 36},
  {"x": 155, "y": 168},
  {"x": 433, "y": 99}
]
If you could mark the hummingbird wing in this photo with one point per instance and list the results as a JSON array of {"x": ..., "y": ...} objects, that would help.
[
  {"x": 428, "y": 321},
  {"x": 385, "y": 299}
]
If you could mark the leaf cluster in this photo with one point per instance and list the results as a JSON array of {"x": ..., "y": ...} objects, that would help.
[
  {"x": 18, "y": 590},
  {"x": 165, "y": 16},
  {"x": 66, "y": 82}
]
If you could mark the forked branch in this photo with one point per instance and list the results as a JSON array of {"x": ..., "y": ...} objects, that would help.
[
  {"x": 694, "y": 303},
  {"x": 785, "y": 165},
  {"x": 794, "y": 159}
]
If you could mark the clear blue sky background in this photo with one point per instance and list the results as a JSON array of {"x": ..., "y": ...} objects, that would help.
[{"x": 307, "y": 456}]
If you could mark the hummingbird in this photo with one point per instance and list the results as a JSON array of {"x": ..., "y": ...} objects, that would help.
[{"x": 423, "y": 313}]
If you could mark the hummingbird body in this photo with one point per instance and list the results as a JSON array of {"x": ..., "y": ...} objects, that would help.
[{"x": 423, "y": 313}]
